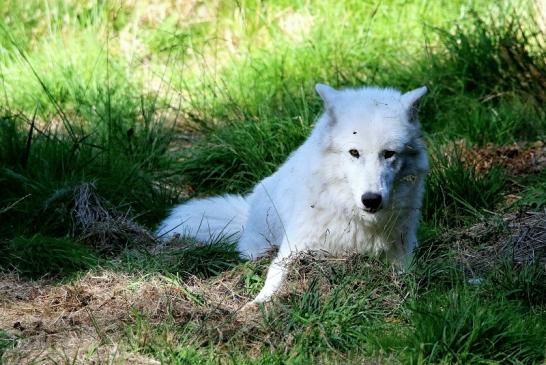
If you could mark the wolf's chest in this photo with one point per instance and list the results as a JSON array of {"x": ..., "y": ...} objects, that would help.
[{"x": 342, "y": 233}]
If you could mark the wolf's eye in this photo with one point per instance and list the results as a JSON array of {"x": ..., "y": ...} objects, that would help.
[
  {"x": 354, "y": 153},
  {"x": 388, "y": 154}
]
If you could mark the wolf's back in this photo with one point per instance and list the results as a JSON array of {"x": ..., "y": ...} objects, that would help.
[{"x": 207, "y": 220}]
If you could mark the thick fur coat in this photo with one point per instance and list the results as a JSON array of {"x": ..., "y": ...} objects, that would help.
[{"x": 355, "y": 184}]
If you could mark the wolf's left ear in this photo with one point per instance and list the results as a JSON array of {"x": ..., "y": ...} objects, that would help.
[
  {"x": 327, "y": 93},
  {"x": 410, "y": 98}
]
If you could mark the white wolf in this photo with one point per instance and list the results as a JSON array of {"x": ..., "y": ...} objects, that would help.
[{"x": 356, "y": 184}]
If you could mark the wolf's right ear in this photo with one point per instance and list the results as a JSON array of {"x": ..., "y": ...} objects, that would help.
[{"x": 327, "y": 93}]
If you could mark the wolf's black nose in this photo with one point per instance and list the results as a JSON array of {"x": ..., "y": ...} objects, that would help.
[{"x": 371, "y": 201}]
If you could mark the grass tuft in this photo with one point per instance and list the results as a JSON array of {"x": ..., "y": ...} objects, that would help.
[
  {"x": 456, "y": 191},
  {"x": 497, "y": 55},
  {"x": 233, "y": 158},
  {"x": 6, "y": 342},
  {"x": 459, "y": 327},
  {"x": 127, "y": 158},
  {"x": 39, "y": 255},
  {"x": 523, "y": 282},
  {"x": 200, "y": 260}
]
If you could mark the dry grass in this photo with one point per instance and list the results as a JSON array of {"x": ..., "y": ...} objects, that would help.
[
  {"x": 517, "y": 159},
  {"x": 85, "y": 319},
  {"x": 59, "y": 321},
  {"x": 70, "y": 321},
  {"x": 519, "y": 238},
  {"x": 103, "y": 227}
]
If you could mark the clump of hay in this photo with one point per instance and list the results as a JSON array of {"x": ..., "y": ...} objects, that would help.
[
  {"x": 51, "y": 321},
  {"x": 104, "y": 227},
  {"x": 56, "y": 323},
  {"x": 527, "y": 241},
  {"x": 517, "y": 238}
]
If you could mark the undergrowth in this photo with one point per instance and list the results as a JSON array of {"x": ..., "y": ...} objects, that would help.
[{"x": 39, "y": 255}]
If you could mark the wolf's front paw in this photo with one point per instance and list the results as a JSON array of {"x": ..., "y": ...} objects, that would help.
[{"x": 248, "y": 312}]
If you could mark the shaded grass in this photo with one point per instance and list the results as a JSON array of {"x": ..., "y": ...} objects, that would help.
[
  {"x": 125, "y": 155},
  {"x": 38, "y": 256},
  {"x": 532, "y": 189},
  {"x": 6, "y": 342},
  {"x": 525, "y": 283},
  {"x": 119, "y": 143},
  {"x": 487, "y": 78},
  {"x": 496, "y": 55},
  {"x": 189, "y": 259},
  {"x": 233, "y": 158},
  {"x": 508, "y": 120}
]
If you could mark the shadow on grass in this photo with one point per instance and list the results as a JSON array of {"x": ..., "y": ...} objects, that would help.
[{"x": 39, "y": 256}]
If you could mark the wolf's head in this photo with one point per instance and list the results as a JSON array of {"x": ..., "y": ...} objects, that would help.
[{"x": 373, "y": 137}]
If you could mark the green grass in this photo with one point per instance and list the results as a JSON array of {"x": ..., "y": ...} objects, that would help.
[
  {"x": 152, "y": 105},
  {"x": 6, "y": 342},
  {"x": 200, "y": 260},
  {"x": 456, "y": 192},
  {"x": 123, "y": 148},
  {"x": 520, "y": 282},
  {"x": 532, "y": 189},
  {"x": 39, "y": 255},
  {"x": 459, "y": 327},
  {"x": 352, "y": 312},
  {"x": 241, "y": 154}
]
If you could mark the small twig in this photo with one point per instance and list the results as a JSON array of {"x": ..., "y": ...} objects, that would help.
[{"x": 5, "y": 209}]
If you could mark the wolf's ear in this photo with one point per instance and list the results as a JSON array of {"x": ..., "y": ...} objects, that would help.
[
  {"x": 410, "y": 98},
  {"x": 327, "y": 93}
]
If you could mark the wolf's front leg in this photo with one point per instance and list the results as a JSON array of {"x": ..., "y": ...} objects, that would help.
[
  {"x": 278, "y": 270},
  {"x": 401, "y": 254},
  {"x": 276, "y": 274}
]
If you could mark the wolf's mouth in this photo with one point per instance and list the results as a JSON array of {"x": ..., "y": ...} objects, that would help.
[{"x": 370, "y": 210}]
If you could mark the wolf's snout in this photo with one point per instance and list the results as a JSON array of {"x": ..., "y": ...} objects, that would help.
[{"x": 371, "y": 201}]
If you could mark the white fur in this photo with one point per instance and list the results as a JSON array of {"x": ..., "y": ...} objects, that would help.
[{"x": 313, "y": 201}]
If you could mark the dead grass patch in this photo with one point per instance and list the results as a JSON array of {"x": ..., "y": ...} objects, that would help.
[
  {"x": 518, "y": 237},
  {"x": 87, "y": 318},
  {"x": 59, "y": 322},
  {"x": 102, "y": 226},
  {"x": 517, "y": 159}
]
